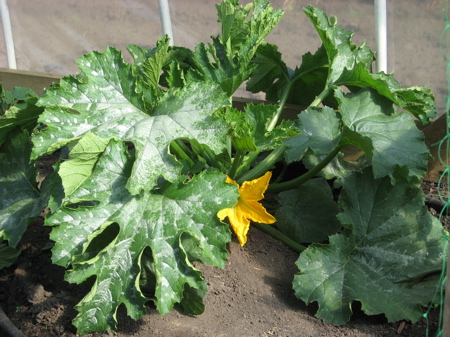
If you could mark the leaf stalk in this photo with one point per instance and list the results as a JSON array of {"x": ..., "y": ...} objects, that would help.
[
  {"x": 280, "y": 236},
  {"x": 287, "y": 185}
]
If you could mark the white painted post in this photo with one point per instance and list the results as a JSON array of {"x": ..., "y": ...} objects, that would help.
[
  {"x": 166, "y": 23},
  {"x": 7, "y": 33},
  {"x": 381, "y": 35}
]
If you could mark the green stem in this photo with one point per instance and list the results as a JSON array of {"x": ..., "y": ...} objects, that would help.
[
  {"x": 253, "y": 155},
  {"x": 287, "y": 185},
  {"x": 263, "y": 166},
  {"x": 237, "y": 161},
  {"x": 281, "y": 105},
  {"x": 178, "y": 148},
  {"x": 319, "y": 99},
  {"x": 249, "y": 159},
  {"x": 280, "y": 236}
]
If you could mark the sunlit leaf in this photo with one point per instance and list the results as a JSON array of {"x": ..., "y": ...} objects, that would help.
[{"x": 106, "y": 234}]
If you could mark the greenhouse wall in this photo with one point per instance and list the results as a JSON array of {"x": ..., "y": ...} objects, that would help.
[{"x": 50, "y": 35}]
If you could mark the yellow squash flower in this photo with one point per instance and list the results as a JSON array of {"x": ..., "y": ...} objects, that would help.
[{"x": 248, "y": 208}]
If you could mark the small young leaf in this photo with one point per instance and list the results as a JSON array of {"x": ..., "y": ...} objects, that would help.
[
  {"x": 248, "y": 128},
  {"x": 227, "y": 61}
]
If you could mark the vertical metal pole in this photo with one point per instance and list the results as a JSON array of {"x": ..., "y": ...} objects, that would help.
[
  {"x": 7, "y": 33},
  {"x": 166, "y": 23},
  {"x": 381, "y": 34}
]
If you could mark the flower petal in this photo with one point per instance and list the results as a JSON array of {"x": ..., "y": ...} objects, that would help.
[
  {"x": 254, "y": 211},
  {"x": 254, "y": 190},
  {"x": 248, "y": 208},
  {"x": 238, "y": 222}
]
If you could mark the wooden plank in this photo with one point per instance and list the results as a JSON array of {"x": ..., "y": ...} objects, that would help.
[{"x": 11, "y": 78}]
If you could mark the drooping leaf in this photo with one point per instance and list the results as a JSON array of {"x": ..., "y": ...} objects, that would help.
[
  {"x": 308, "y": 213},
  {"x": 391, "y": 244},
  {"x": 102, "y": 230},
  {"x": 273, "y": 77},
  {"x": 18, "y": 109},
  {"x": 107, "y": 102},
  {"x": 269, "y": 68},
  {"x": 20, "y": 198},
  {"x": 417, "y": 100},
  {"x": 392, "y": 140},
  {"x": 351, "y": 66}
]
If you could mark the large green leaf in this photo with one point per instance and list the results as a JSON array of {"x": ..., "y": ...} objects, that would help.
[
  {"x": 182, "y": 113},
  {"x": 392, "y": 140},
  {"x": 391, "y": 244},
  {"x": 308, "y": 213},
  {"x": 106, "y": 101},
  {"x": 102, "y": 230},
  {"x": 20, "y": 198},
  {"x": 319, "y": 131}
]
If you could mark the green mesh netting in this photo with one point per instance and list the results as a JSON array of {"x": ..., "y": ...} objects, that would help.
[{"x": 443, "y": 183}]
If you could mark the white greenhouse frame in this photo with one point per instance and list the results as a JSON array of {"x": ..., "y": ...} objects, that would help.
[{"x": 166, "y": 24}]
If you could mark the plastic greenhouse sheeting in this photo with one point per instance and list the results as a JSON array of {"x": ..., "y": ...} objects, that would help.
[{"x": 49, "y": 35}]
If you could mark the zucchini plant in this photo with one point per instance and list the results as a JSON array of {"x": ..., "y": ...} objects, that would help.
[{"x": 156, "y": 164}]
